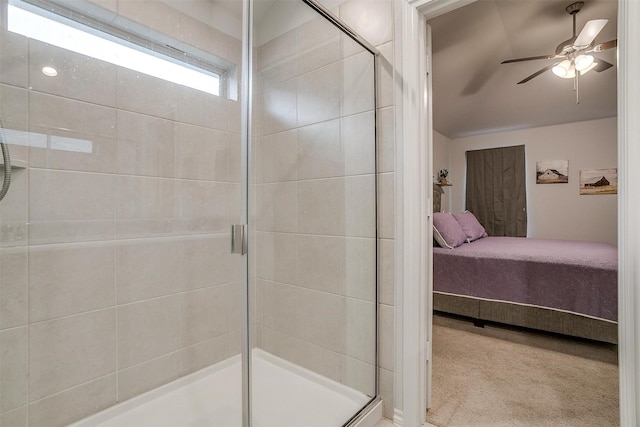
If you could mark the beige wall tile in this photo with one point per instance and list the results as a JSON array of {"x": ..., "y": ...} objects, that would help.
[
  {"x": 16, "y": 418},
  {"x": 385, "y": 335},
  {"x": 13, "y": 287},
  {"x": 276, "y": 109},
  {"x": 358, "y": 84},
  {"x": 203, "y": 36},
  {"x": 147, "y": 268},
  {"x": 80, "y": 135},
  {"x": 338, "y": 206},
  {"x": 70, "y": 279},
  {"x": 277, "y": 257},
  {"x": 303, "y": 353},
  {"x": 278, "y": 155},
  {"x": 47, "y": 232},
  {"x": 204, "y": 314},
  {"x": 319, "y": 94},
  {"x": 202, "y": 153},
  {"x": 276, "y": 207},
  {"x": 371, "y": 19},
  {"x": 386, "y": 262},
  {"x": 14, "y": 105},
  {"x": 74, "y": 404},
  {"x": 359, "y": 375},
  {"x": 276, "y": 50},
  {"x": 204, "y": 199},
  {"x": 282, "y": 309},
  {"x": 344, "y": 266},
  {"x": 318, "y": 44},
  {"x": 235, "y": 319},
  {"x": 147, "y": 376},
  {"x": 235, "y": 159},
  {"x": 207, "y": 261},
  {"x": 146, "y": 199},
  {"x": 147, "y": 330},
  {"x": 386, "y": 206},
  {"x": 68, "y": 196},
  {"x": 321, "y": 151},
  {"x": 386, "y": 84},
  {"x": 14, "y": 210},
  {"x": 386, "y": 140},
  {"x": 204, "y": 354},
  {"x": 74, "y": 151},
  {"x": 274, "y": 74},
  {"x": 79, "y": 76},
  {"x": 157, "y": 16},
  {"x": 146, "y": 145},
  {"x": 202, "y": 109},
  {"x": 360, "y": 334},
  {"x": 235, "y": 342},
  {"x": 386, "y": 392},
  {"x": 70, "y": 351},
  {"x": 234, "y": 47},
  {"x": 145, "y": 94},
  {"x": 55, "y": 112},
  {"x": 321, "y": 206},
  {"x": 14, "y": 59},
  {"x": 234, "y": 211},
  {"x": 14, "y": 370},
  {"x": 359, "y": 141}
]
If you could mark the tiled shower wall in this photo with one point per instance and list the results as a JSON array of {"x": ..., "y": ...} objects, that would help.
[
  {"x": 315, "y": 259},
  {"x": 115, "y": 272}
]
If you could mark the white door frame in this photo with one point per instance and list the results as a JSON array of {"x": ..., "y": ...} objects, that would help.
[{"x": 414, "y": 178}]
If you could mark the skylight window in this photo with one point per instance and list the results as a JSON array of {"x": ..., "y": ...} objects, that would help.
[{"x": 80, "y": 38}]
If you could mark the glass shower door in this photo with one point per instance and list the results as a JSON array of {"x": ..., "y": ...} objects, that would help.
[
  {"x": 313, "y": 219},
  {"x": 122, "y": 118}
]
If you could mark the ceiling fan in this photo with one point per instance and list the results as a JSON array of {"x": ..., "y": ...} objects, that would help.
[{"x": 574, "y": 54}]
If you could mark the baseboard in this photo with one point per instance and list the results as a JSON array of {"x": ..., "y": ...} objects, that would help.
[{"x": 398, "y": 417}]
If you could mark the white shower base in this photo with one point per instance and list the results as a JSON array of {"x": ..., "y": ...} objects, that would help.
[{"x": 285, "y": 395}]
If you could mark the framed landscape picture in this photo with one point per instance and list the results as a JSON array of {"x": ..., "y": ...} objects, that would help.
[
  {"x": 552, "y": 172},
  {"x": 599, "y": 181}
]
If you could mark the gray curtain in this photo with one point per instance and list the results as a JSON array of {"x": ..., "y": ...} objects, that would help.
[{"x": 496, "y": 190}]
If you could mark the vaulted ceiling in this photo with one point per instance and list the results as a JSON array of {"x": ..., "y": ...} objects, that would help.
[{"x": 473, "y": 93}]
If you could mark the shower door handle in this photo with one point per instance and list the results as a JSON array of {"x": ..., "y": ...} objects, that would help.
[{"x": 239, "y": 239}]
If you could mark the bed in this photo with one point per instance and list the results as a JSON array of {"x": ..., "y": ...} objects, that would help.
[{"x": 561, "y": 286}]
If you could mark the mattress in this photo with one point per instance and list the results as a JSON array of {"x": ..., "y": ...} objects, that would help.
[{"x": 574, "y": 276}]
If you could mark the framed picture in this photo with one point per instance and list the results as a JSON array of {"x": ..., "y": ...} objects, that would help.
[
  {"x": 599, "y": 181},
  {"x": 552, "y": 172}
]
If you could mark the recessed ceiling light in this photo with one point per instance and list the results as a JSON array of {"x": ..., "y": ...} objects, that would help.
[{"x": 49, "y": 71}]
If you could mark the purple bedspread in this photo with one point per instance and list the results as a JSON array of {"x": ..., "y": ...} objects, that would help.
[{"x": 580, "y": 277}]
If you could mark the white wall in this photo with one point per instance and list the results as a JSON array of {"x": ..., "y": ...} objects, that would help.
[
  {"x": 555, "y": 210},
  {"x": 441, "y": 160}
]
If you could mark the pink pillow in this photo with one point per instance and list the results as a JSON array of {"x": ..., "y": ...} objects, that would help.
[
  {"x": 446, "y": 230},
  {"x": 469, "y": 223}
]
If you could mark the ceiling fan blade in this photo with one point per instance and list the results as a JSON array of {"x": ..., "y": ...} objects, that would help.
[
  {"x": 589, "y": 32},
  {"x": 606, "y": 45},
  {"x": 602, "y": 65},
  {"x": 536, "y": 74},
  {"x": 529, "y": 58}
]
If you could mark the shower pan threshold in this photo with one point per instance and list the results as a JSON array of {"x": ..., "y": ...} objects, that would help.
[{"x": 285, "y": 395}]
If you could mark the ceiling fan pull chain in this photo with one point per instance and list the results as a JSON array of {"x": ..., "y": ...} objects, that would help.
[{"x": 576, "y": 86}]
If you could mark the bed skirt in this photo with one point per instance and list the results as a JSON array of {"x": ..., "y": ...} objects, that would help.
[{"x": 527, "y": 316}]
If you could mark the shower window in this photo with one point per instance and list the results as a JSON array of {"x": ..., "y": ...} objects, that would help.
[{"x": 115, "y": 45}]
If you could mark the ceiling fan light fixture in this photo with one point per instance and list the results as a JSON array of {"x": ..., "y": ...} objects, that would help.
[
  {"x": 583, "y": 62},
  {"x": 562, "y": 69}
]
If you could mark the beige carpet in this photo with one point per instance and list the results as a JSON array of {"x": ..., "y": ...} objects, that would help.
[{"x": 501, "y": 376}]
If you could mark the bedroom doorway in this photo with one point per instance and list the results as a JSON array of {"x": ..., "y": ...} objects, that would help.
[{"x": 423, "y": 10}]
